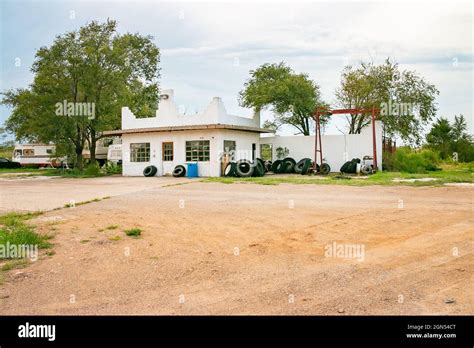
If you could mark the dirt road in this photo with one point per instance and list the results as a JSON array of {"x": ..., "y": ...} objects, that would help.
[
  {"x": 32, "y": 193},
  {"x": 252, "y": 249}
]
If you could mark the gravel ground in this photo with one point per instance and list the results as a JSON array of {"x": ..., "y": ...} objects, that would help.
[{"x": 209, "y": 248}]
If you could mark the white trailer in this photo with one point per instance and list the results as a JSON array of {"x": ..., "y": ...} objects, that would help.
[
  {"x": 40, "y": 155},
  {"x": 114, "y": 153}
]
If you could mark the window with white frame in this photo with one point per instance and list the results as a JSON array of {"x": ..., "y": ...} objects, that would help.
[
  {"x": 168, "y": 151},
  {"x": 140, "y": 152},
  {"x": 197, "y": 150}
]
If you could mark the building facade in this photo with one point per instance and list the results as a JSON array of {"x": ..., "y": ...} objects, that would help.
[{"x": 171, "y": 138}]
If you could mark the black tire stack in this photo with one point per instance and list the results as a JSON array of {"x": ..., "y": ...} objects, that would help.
[
  {"x": 245, "y": 168},
  {"x": 350, "y": 166},
  {"x": 303, "y": 166}
]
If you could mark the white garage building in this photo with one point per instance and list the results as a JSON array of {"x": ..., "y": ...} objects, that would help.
[{"x": 171, "y": 138}]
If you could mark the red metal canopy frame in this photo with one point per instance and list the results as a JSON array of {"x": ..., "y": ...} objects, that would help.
[{"x": 317, "y": 137}]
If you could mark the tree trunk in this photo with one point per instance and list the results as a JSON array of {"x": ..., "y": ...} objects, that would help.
[
  {"x": 352, "y": 124},
  {"x": 93, "y": 145},
  {"x": 79, "y": 164}
]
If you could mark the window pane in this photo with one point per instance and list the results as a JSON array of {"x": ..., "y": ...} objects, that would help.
[
  {"x": 140, "y": 152},
  {"x": 167, "y": 151},
  {"x": 198, "y": 150}
]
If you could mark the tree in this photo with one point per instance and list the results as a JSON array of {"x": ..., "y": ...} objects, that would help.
[
  {"x": 96, "y": 67},
  {"x": 406, "y": 100},
  {"x": 293, "y": 97},
  {"x": 440, "y": 137},
  {"x": 449, "y": 139}
]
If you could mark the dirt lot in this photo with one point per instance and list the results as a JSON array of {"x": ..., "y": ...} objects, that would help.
[
  {"x": 212, "y": 248},
  {"x": 30, "y": 193}
]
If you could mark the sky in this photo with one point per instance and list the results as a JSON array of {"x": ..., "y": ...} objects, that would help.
[{"x": 208, "y": 48}]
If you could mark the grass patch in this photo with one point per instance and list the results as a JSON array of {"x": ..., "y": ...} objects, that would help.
[
  {"x": 115, "y": 238},
  {"x": 14, "y": 231},
  {"x": 112, "y": 227},
  {"x": 133, "y": 232},
  {"x": 15, "y": 264},
  {"x": 13, "y": 218},
  {"x": 30, "y": 171},
  {"x": 88, "y": 172},
  {"x": 85, "y": 241},
  {"x": 449, "y": 174}
]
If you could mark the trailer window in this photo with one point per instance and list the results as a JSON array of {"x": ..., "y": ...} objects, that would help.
[
  {"x": 18, "y": 152},
  {"x": 140, "y": 152},
  {"x": 197, "y": 150},
  {"x": 49, "y": 151},
  {"x": 28, "y": 152}
]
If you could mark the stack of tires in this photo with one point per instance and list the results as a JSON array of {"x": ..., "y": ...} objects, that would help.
[
  {"x": 245, "y": 168},
  {"x": 289, "y": 165},
  {"x": 350, "y": 167}
]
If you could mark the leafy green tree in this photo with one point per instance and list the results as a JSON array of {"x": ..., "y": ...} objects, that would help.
[
  {"x": 293, "y": 97},
  {"x": 371, "y": 85},
  {"x": 449, "y": 139},
  {"x": 94, "y": 65},
  {"x": 440, "y": 137}
]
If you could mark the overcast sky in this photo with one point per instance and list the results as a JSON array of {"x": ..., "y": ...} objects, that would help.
[{"x": 208, "y": 48}]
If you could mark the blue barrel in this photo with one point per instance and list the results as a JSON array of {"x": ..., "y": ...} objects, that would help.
[{"x": 192, "y": 170}]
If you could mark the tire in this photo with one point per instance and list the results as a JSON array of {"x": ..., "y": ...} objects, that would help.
[
  {"x": 244, "y": 168},
  {"x": 277, "y": 166},
  {"x": 352, "y": 167},
  {"x": 290, "y": 160},
  {"x": 345, "y": 166},
  {"x": 230, "y": 169},
  {"x": 262, "y": 162},
  {"x": 306, "y": 166},
  {"x": 259, "y": 169},
  {"x": 366, "y": 169},
  {"x": 150, "y": 171},
  {"x": 289, "y": 165},
  {"x": 299, "y": 166},
  {"x": 179, "y": 171},
  {"x": 325, "y": 169}
]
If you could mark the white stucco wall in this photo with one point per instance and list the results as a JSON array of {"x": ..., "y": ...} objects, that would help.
[
  {"x": 337, "y": 149},
  {"x": 216, "y": 139},
  {"x": 168, "y": 115}
]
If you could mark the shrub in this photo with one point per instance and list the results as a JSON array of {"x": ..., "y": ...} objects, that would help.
[
  {"x": 133, "y": 232},
  {"x": 470, "y": 167},
  {"x": 112, "y": 168},
  {"x": 411, "y": 161},
  {"x": 92, "y": 169}
]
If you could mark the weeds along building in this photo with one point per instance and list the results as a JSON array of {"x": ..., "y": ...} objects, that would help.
[{"x": 172, "y": 138}]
